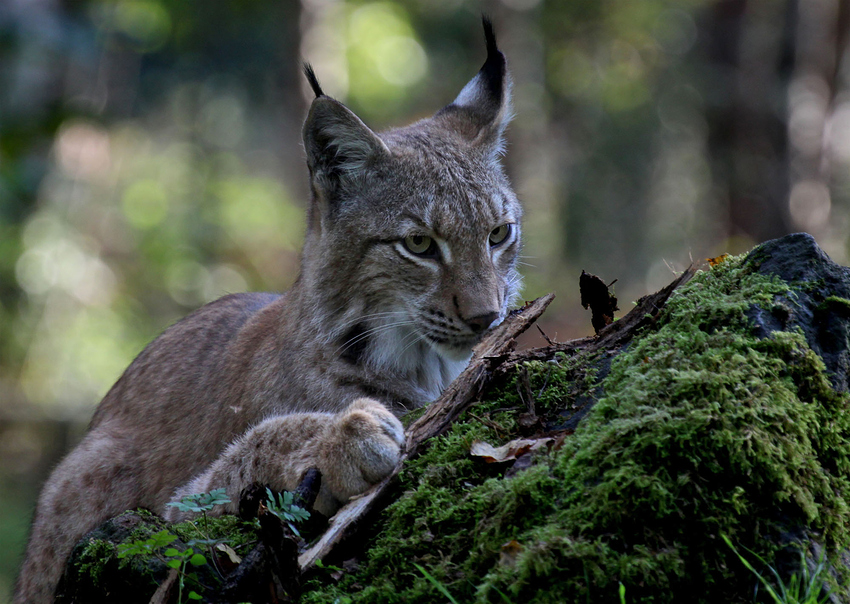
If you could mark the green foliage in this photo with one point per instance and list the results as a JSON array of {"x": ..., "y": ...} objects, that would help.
[
  {"x": 802, "y": 588},
  {"x": 146, "y": 546},
  {"x": 284, "y": 507},
  {"x": 172, "y": 557},
  {"x": 702, "y": 430},
  {"x": 181, "y": 560},
  {"x": 201, "y": 502}
]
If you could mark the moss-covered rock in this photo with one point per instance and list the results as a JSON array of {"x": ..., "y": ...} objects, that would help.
[{"x": 712, "y": 422}]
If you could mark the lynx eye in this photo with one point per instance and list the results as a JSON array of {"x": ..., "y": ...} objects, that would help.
[
  {"x": 500, "y": 234},
  {"x": 421, "y": 245}
]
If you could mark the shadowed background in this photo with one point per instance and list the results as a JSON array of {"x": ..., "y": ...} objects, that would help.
[{"x": 151, "y": 160}]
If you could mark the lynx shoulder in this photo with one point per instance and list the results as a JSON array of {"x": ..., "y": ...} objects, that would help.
[{"x": 410, "y": 255}]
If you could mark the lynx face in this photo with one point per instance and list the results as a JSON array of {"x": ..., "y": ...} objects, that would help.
[
  {"x": 435, "y": 262},
  {"x": 445, "y": 252}
]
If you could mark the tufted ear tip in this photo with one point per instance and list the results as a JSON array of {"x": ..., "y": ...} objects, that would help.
[
  {"x": 490, "y": 37},
  {"x": 482, "y": 110},
  {"x": 313, "y": 80},
  {"x": 488, "y": 89}
]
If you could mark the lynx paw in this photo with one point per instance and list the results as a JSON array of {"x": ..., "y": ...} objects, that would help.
[{"x": 363, "y": 448}]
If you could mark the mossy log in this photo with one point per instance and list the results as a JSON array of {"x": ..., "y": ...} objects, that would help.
[{"x": 716, "y": 409}]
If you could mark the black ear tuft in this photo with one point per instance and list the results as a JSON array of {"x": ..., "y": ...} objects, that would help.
[
  {"x": 493, "y": 69},
  {"x": 489, "y": 36},
  {"x": 314, "y": 81},
  {"x": 483, "y": 108}
]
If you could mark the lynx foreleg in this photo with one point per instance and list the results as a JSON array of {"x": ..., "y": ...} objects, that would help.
[{"x": 353, "y": 450}]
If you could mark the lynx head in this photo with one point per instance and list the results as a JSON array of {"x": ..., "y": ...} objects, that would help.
[{"x": 413, "y": 233}]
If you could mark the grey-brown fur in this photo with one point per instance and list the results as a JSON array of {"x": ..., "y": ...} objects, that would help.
[{"x": 260, "y": 386}]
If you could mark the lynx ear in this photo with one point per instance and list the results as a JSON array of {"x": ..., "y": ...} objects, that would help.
[
  {"x": 339, "y": 145},
  {"x": 482, "y": 110}
]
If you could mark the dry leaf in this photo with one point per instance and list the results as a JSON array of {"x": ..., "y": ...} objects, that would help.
[
  {"x": 717, "y": 260},
  {"x": 508, "y": 451},
  {"x": 510, "y": 551},
  {"x": 595, "y": 294},
  {"x": 229, "y": 552}
]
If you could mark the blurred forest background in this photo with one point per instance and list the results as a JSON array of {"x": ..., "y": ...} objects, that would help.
[{"x": 151, "y": 160}]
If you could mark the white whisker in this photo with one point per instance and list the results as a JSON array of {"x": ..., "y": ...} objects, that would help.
[
  {"x": 372, "y": 331},
  {"x": 377, "y": 315},
  {"x": 413, "y": 341}
]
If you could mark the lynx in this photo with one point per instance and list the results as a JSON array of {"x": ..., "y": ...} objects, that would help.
[{"x": 409, "y": 257}]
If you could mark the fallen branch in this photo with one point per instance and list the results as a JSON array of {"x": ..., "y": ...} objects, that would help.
[{"x": 464, "y": 391}]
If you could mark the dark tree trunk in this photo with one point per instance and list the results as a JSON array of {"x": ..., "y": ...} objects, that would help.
[{"x": 749, "y": 46}]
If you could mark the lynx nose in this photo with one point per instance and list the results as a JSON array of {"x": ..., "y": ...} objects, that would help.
[{"x": 481, "y": 322}]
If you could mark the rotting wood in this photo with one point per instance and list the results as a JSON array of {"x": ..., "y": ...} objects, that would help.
[{"x": 270, "y": 572}]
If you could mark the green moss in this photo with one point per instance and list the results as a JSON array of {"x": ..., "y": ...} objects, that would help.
[
  {"x": 555, "y": 386},
  {"x": 238, "y": 534},
  {"x": 703, "y": 430},
  {"x": 93, "y": 558},
  {"x": 839, "y": 305}
]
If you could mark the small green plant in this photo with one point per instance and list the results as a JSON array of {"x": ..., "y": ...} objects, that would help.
[
  {"x": 440, "y": 587},
  {"x": 801, "y": 589},
  {"x": 201, "y": 503},
  {"x": 284, "y": 507},
  {"x": 171, "y": 557},
  {"x": 181, "y": 561}
]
